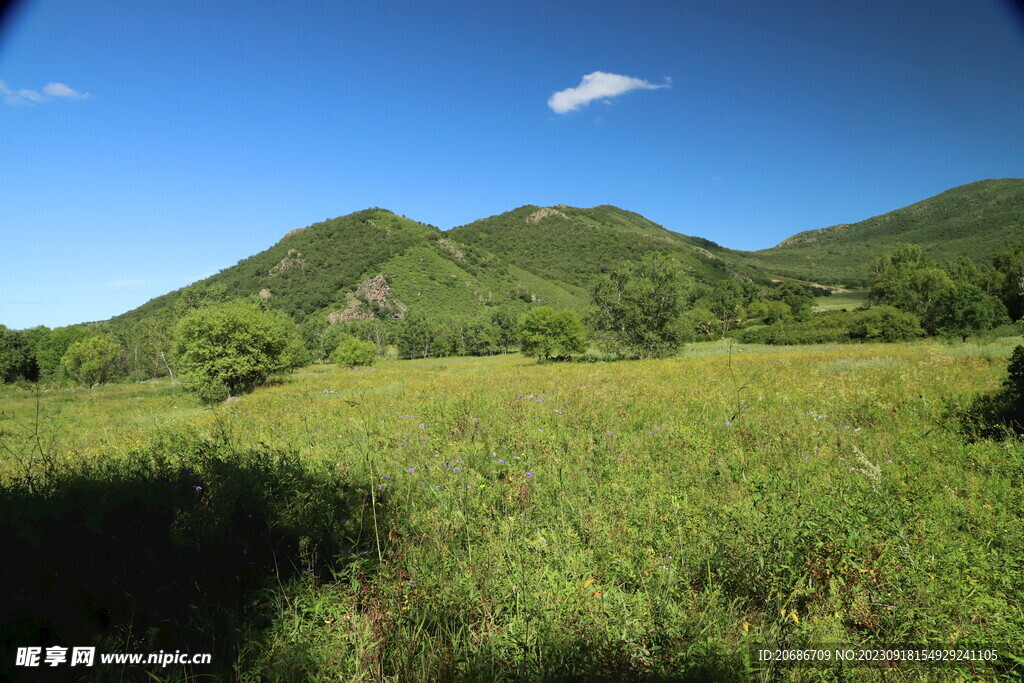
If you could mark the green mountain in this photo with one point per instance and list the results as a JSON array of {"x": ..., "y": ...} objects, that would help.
[
  {"x": 977, "y": 220},
  {"x": 571, "y": 245},
  {"x": 375, "y": 263}
]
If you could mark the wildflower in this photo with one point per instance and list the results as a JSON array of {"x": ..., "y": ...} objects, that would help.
[
  {"x": 728, "y": 423},
  {"x": 386, "y": 478},
  {"x": 474, "y": 419},
  {"x": 528, "y": 475},
  {"x": 411, "y": 470},
  {"x": 422, "y": 425},
  {"x": 501, "y": 462},
  {"x": 199, "y": 488},
  {"x": 457, "y": 469}
]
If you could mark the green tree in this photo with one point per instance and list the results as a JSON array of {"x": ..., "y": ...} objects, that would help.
[
  {"x": 51, "y": 347},
  {"x": 232, "y": 343},
  {"x": 552, "y": 334},
  {"x": 797, "y": 297},
  {"x": 908, "y": 281},
  {"x": 884, "y": 323},
  {"x": 1010, "y": 265},
  {"x": 418, "y": 337},
  {"x": 505, "y": 322},
  {"x": 639, "y": 307},
  {"x": 769, "y": 312},
  {"x": 964, "y": 309},
  {"x": 92, "y": 360},
  {"x": 352, "y": 352},
  {"x": 200, "y": 294},
  {"x": 17, "y": 361}
]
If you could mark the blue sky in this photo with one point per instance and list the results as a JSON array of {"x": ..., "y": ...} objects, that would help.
[{"x": 148, "y": 144}]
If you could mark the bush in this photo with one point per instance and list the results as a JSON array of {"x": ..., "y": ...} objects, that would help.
[
  {"x": 209, "y": 390},
  {"x": 352, "y": 352},
  {"x": 233, "y": 343},
  {"x": 884, "y": 323},
  {"x": 92, "y": 360},
  {"x": 1014, "y": 381},
  {"x": 551, "y": 334}
]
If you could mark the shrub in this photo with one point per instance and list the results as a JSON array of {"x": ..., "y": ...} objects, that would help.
[
  {"x": 884, "y": 323},
  {"x": 234, "y": 343},
  {"x": 552, "y": 334},
  {"x": 1014, "y": 382},
  {"x": 92, "y": 360},
  {"x": 352, "y": 352}
]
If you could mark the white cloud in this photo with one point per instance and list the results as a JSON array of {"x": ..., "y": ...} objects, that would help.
[
  {"x": 595, "y": 86},
  {"x": 61, "y": 90},
  {"x": 50, "y": 92}
]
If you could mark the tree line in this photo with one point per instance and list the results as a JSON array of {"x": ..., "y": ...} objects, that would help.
[{"x": 219, "y": 346}]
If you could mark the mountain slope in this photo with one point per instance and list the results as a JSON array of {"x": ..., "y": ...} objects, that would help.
[
  {"x": 333, "y": 267},
  {"x": 571, "y": 245},
  {"x": 976, "y": 220}
]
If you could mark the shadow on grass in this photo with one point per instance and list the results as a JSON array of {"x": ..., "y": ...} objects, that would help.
[
  {"x": 171, "y": 549},
  {"x": 995, "y": 415}
]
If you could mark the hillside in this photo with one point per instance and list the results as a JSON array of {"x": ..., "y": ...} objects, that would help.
[
  {"x": 572, "y": 245},
  {"x": 374, "y": 262},
  {"x": 976, "y": 220},
  {"x": 336, "y": 267}
]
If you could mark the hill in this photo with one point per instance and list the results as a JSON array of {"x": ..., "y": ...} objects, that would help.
[
  {"x": 374, "y": 262},
  {"x": 976, "y": 220},
  {"x": 572, "y": 245}
]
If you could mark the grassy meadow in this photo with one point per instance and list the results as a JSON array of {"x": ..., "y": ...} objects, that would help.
[{"x": 498, "y": 519}]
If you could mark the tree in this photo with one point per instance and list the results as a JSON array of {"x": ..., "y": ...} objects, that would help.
[
  {"x": 639, "y": 307},
  {"x": 552, "y": 334},
  {"x": 234, "y": 344},
  {"x": 352, "y": 352},
  {"x": 92, "y": 360},
  {"x": 908, "y": 281},
  {"x": 51, "y": 347},
  {"x": 505, "y": 322},
  {"x": 1010, "y": 265},
  {"x": 17, "y": 361},
  {"x": 417, "y": 337},
  {"x": 769, "y": 312},
  {"x": 797, "y": 297},
  {"x": 884, "y": 323},
  {"x": 964, "y": 309}
]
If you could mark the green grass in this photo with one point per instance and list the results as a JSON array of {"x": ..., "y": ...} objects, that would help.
[
  {"x": 977, "y": 220},
  {"x": 678, "y": 514},
  {"x": 848, "y": 300}
]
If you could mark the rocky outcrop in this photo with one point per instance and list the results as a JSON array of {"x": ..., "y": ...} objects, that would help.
[
  {"x": 292, "y": 260},
  {"x": 540, "y": 214},
  {"x": 372, "y": 297},
  {"x": 265, "y": 294}
]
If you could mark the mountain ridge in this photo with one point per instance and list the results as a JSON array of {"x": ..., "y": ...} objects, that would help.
[{"x": 536, "y": 254}]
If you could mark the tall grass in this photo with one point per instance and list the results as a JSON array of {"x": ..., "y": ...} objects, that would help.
[{"x": 494, "y": 519}]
